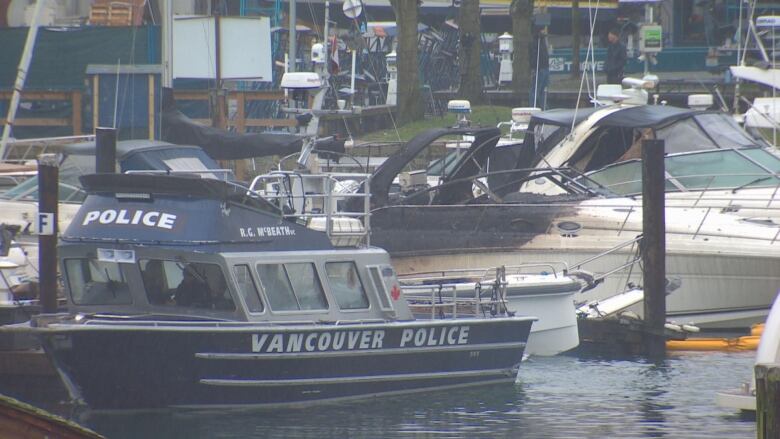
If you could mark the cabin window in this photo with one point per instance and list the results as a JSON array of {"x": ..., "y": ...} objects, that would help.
[
  {"x": 247, "y": 289},
  {"x": 380, "y": 287},
  {"x": 292, "y": 286},
  {"x": 94, "y": 282},
  {"x": 345, "y": 284},
  {"x": 194, "y": 284}
]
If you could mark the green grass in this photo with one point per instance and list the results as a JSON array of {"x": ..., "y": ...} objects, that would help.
[{"x": 482, "y": 115}]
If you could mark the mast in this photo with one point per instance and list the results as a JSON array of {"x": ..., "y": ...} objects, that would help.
[
  {"x": 21, "y": 76},
  {"x": 292, "y": 37},
  {"x": 167, "y": 43}
]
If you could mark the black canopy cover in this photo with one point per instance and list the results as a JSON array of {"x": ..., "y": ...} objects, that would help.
[{"x": 224, "y": 145}]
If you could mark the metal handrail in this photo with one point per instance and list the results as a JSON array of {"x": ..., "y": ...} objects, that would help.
[
  {"x": 285, "y": 195},
  {"x": 557, "y": 269},
  {"x": 443, "y": 297}
]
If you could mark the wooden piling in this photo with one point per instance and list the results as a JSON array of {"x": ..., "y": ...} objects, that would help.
[
  {"x": 105, "y": 150},
  {"x": 654, "y": 244},
  {"x": 767, "y": 400},
  {"x": 48, "y": 176}
]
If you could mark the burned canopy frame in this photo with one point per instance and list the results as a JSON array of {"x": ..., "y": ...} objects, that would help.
[
  {"x": 617, "y": 136},
  {"x": 545, "y": 130},
  {"x": 471, "y": 163}
]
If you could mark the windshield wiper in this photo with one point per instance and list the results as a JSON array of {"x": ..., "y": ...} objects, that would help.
[{"x": 752, "y": 182}]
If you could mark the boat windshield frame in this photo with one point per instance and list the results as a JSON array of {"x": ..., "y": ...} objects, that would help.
[{"x": 676, "y": 183}]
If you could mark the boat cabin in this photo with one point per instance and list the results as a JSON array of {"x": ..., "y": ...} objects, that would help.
[{"x": 184, "y": 246}]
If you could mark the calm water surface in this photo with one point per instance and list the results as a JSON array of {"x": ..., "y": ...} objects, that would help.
[{"x": 556, "y": 397}]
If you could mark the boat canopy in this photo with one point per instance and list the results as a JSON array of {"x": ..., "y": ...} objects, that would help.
[
  {"x": 225, "y": 145},
  {"x": 78, "y": 159},
  {"x": 618, "y": 135},
  {"x": 563, "y": 116},
  {"x": 184, "y": 211},
  {"x": 645, "y": 116}
]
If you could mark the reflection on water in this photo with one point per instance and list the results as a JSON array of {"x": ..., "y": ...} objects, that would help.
[{"x": 555, "y": 397}]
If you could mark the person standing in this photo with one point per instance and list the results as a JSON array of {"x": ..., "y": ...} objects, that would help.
[
  {"x": 540, "y": 68},
  {"x": 616, "y": 58}
]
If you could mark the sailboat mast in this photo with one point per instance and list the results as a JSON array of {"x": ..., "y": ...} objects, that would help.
[
  {"x": 219, "y": 103},
  {"x": 21, "y": 76},
  {"x": 167, "y": 43},
  {"x": 292, "y": 37}
]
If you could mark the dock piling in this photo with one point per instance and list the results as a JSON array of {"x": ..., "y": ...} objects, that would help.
[
  {"x": 767, "y": 401},
  {"x": 48, "y": 176},
  {"x": 105, "y": 150},
  {"x": 654, "y": 244}
]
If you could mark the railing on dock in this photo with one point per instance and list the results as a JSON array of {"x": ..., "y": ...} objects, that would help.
[{"x": 315, "y": 199}]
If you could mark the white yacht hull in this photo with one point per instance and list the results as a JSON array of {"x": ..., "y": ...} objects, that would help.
[{"x": 718, "y": 289}]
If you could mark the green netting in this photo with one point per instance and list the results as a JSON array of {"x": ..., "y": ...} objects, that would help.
[{"x": 61, "y": 55}]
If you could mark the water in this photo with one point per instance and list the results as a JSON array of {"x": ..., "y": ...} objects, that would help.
[{"x": 556, "y": 397}]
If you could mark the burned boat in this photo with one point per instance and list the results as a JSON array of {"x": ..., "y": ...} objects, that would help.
[
  {"x": 485, "y": 211},
  {"x": 194, "y": 292}
]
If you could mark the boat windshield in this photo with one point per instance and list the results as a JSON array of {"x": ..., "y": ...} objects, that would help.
[
  {"x": 713, "y": 169},
  {"x": 292, "y": 286},
  {"x": 94, "y": 282},
  {"x": 193, "y": 284},
  {"x": 346, "y": 286},
  {"x": 444, "y": 166},
  {"x": 73, "y": 167}
]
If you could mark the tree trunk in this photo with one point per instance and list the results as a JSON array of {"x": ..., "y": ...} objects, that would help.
[
  {"x": 575, "y": 38},
  {"x": 522, "y": 22},
  {"x": 410, "y": 105},
  {"x": 469, "y": 45}
]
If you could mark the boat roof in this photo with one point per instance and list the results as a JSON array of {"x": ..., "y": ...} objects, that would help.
[
  {"x": 203, "y": 214},
  {"x": 124, "y": 148},
  {"x": 645, "y": 116},
  {"x": 563, "y": 116}
]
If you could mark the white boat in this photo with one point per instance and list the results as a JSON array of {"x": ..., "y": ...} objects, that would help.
[
  {"x": 541, "y": 290},
  {"x": 744, "y": 398},
  {"x": 722, "y": 235}
]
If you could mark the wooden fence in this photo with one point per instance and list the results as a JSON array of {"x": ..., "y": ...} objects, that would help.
[{"x": 371, "y": 118}]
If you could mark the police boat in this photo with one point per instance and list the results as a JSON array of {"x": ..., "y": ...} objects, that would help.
[{"x": 196, "y": 292}]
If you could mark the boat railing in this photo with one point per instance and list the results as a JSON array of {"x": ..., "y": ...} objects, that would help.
[
  {"x": 483, "y": 275},
  {"x": 451, "y": 300},
  {"x": 579, "y": 269},
  {"x": 319, "y": 198}
]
